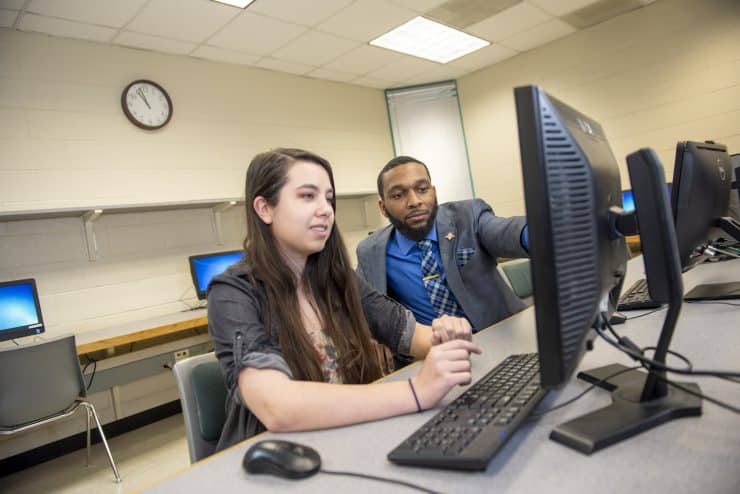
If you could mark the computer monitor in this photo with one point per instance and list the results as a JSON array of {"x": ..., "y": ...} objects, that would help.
[
  {"x": 702, "y": 178},
  {"x": 578, "y": 262},
  {"x": 203, "y": 267},
  {"x": 628, "y": 198},
  {"x": 20, "y": 311}
]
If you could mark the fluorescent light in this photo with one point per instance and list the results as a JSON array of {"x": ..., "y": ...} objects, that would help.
[
  {"x": 423, "y": 38},
  {"x": 242, "y": 4}
]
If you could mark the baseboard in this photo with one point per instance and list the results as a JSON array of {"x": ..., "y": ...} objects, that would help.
[{"x": 47, "y": 452}]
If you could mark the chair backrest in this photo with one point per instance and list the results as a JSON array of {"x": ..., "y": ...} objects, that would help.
[
  {"x": 38, "y": 380},
  {"x": 519, "y": 276},
  {"x": 203, "y": 398}
]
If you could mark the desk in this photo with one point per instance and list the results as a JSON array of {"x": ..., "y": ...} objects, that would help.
[
  {"x": 103, "y": 339},
  {"x": 683, "y": 456}
]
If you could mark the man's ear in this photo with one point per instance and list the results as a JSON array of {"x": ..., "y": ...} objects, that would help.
[
  {"x": 263, "y": 209},
  {"x": 381, "y": 205}
]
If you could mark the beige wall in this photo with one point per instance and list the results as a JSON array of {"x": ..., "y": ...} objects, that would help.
[
  {"x": 668, "y": 72},
  {"x": 65, "y": 142}
]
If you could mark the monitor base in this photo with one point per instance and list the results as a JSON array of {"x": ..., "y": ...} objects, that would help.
[
  {"x": 714, "y": 291},
  {"x": 627, "y": 416}
]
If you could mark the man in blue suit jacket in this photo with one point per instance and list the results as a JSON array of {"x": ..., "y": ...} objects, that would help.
[{"x": 466, "y": 238}]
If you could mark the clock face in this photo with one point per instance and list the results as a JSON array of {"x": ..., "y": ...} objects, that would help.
[{"x": 146, "y": 104}]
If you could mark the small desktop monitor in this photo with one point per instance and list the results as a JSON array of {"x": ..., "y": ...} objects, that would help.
[
  {"x": 628, "y": 198},
  {"x": 20, "y": 310},
  {"x": 204, "y": 267},
  {"x": 702, "y": 179},
  {"x": 579, "y": 260}
]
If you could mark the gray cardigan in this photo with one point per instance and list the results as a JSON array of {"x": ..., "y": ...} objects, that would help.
[
  {"x": 471, "y": 237},
  {"x": 236, "y": 310}
]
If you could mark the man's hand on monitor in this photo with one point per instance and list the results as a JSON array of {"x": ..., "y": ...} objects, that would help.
[{"x": 447, "y": 328}]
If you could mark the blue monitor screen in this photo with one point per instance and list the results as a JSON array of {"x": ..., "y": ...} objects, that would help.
[
  {"x": 628, "y": 200},
  {"x": 205, "y": 267},
  {"x": 20, "y": 312}
]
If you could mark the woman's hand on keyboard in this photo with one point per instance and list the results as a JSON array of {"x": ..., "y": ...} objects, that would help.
[{"x": 446, "y": 365}]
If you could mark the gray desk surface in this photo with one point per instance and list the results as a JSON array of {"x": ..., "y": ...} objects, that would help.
[{"x": 689, "y": 455}]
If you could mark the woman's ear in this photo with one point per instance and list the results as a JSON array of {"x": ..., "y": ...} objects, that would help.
[{"x": 263, "y": 209}]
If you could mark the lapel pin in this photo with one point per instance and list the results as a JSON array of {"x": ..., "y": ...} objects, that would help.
[{"x": 450, "y": 236}]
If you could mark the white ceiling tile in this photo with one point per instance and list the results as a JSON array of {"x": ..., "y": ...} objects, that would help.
[
  {"x": 67, "y": 29},
  {"x": 365, "y": 20},
  {"x": 281, "y": 66},
  {"x": 7, "y": 17},
  {"x": 138, "y": 40},
  {"x": 305, "y": 13},
  {"x": 420, "y": 6},
  {"x": 331, "y": 75},
  {"x": 402, "y": 69},
  {"x": 561, "y": 7},
  {"x": 509, "y": 22},
  {"x": 373, "y": 82},
  {"x": 438, "y": 73},
  {"x": 12, "y": 4},
  {"x": 223, "y": 55},
  {"x": 314, "y": 48},
  {"x": 185, "y": 20},
  {"x": 544, "y": 33},
  {"x": 364, "y": 59},
  {"x": 484, "y": 57},
  {"x": 113, "y": 13},
  {"x": 255, "y": 34}
]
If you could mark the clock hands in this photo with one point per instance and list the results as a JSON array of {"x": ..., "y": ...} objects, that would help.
[{"x": 140, "y": 92}]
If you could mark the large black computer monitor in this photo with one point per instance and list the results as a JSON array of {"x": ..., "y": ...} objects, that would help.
[
  {"x": 703, "y": 179},
  {"x": 203, "y": 267},
  {"x": 20, "y": 311},
  {"x": 578, "y": 262}
]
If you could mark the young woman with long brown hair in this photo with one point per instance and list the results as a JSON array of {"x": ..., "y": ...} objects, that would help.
[{"x": 292, "y": 324}]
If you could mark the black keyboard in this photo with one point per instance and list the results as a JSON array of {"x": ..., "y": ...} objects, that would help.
[
  {"x": 637, "y": 297},
  {"x": 468, "y": 432}
]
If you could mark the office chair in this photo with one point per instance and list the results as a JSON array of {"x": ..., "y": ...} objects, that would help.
[
  {"x": 203, "y": 398},
  {"x": 519, "y": 277},
  {"x": 41, "y": 383}
]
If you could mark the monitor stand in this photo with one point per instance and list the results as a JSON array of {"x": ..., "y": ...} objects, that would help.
[
  {"x": 714, "y": 291},
  {"x": 628, "y": 414}
]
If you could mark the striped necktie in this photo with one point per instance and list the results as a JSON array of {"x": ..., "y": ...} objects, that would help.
[{"x": 440, "y": 296}]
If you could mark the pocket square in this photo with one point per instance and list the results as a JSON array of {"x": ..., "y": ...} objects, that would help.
[{"x": 463, "y": 255}]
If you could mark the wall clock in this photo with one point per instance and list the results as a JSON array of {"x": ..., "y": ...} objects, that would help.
[{"x": 146, "y": 104}]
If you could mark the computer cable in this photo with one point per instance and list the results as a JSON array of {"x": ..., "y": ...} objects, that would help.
[
  {"x": 626, "y": 345},
  {"x": 650, "y": 363},
  {"x": 380, "y": 479},
  {"x": 583, "y": 393},
  {"x": 646, "y": 313},
  {"x": 92, "y": 374},
  {"x": 720, "y": 404}
]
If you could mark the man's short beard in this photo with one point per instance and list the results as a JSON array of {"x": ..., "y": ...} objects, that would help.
[{"x": 415, "y": 234}]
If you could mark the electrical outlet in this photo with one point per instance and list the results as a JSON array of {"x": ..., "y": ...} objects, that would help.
[{"x": 181, "y": 354}]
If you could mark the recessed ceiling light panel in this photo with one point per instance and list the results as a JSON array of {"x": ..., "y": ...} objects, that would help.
[
  {"x": 423, "y": 38},
  {"x": 242, "y": 4}
]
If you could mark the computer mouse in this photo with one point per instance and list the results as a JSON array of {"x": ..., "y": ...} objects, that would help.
[{"x": 282, "y": 458}]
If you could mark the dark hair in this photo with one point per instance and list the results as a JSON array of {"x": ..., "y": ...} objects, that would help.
[
  {"x": 328, "y": 280},
  {"x": 398, "y": 160}
]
